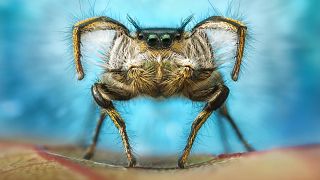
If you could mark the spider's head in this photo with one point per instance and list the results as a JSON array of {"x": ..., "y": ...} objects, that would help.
[{"x": 159, "y": 38}]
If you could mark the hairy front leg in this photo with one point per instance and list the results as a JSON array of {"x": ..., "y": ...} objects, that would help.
[
  {"x": 103, "y": 98},
  {"x": 90, "y": 25},
  {"x": 216, "y": 100}
]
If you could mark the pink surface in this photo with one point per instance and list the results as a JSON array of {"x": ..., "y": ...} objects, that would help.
[{"x": 27, "y": 161}]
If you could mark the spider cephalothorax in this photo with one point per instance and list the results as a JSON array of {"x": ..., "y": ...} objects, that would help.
[{"x": 162, "y": 62}]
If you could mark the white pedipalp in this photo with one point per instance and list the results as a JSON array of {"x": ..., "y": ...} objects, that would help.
[
  {"x": 94, "y": 45},
  {"x": 223, "y": 43}
]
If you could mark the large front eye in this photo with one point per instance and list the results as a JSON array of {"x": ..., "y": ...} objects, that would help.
[
  {"x": 166, "y": 40},
  {"x": 152, "y": 40}
]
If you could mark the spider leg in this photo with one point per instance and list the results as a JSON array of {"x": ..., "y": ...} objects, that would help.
[
  {"x": 91, "y": 149},
  {"x": 241, "y": 32},
  {"x": 228, "y": 24},
  {"x": 223, "y": 111},
  {"x": 103, "y": 97},
  {"x": 219, "y": 94},
  {"x": 89, "y": 25},
  {"x": 223, "y": 135},
  {"x": 91, "y": 114}
]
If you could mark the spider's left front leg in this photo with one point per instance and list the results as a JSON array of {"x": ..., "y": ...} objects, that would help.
[
  {"x": 103, "y": 94},
  {"x": 215, "y": 96}
]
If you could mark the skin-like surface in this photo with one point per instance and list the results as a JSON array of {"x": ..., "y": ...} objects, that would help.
[
  {"x": 162, "y": 62},
  {"x": 28, "y": 161}
]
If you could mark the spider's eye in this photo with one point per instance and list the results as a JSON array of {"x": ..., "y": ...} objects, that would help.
[
  {"x": 140, "y": 36},
  {"x": 178, "y": 36},
  {"x": 152, "y": 40}
]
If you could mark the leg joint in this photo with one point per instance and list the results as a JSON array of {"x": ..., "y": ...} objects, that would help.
[
  {"x": 100, "y": 97},
  {"x": 218, "y": 98}
]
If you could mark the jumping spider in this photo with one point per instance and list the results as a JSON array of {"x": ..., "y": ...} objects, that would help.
[{"x": 162, "y": 62}]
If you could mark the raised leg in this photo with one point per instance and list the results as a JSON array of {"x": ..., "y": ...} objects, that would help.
[
  {"x": 89, "y": 25},
  {"x": 216, "y": 100},
  {"x": 226, "y": 24},
  {"x": 223, "y": 111},
  {"x": 103, "y": 97}
]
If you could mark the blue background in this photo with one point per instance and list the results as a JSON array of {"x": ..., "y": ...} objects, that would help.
[{"x": 275, "y": 102}]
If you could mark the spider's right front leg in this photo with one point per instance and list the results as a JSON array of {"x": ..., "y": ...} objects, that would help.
[
  {"x": 215, "y": 97},
  {"x": 103, "y": 95}
]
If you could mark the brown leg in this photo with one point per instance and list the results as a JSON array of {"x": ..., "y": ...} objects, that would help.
[
  {"x": 102, "y": 98},
  {"x": 218, "y": 97},
  {"x": 224, "y": 112},
  {"x": 120, "y": 124},
  {"x": 223, "y": 135},
  {"x": 91, "y": 149}
]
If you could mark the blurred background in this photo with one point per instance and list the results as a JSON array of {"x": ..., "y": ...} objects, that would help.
[{"x": 275, "y": 102}]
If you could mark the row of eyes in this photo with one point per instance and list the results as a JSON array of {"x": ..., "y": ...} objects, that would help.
[{"x": 141, "y": 36}]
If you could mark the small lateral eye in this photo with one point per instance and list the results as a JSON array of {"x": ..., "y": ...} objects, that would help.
[
  {"x": 178, "y": 36},
  {"x": 140, "y": 36}
]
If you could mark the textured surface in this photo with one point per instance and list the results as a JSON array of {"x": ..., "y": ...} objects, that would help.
[{"x": 25, "y": 161}]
